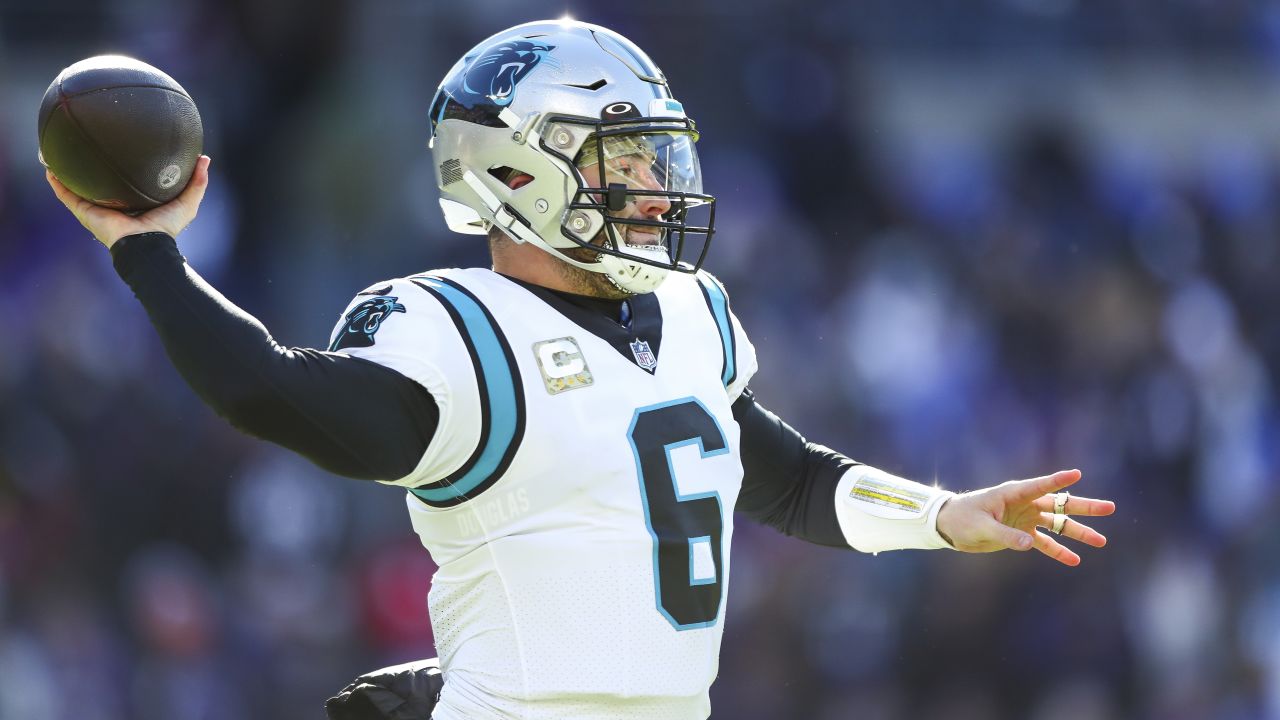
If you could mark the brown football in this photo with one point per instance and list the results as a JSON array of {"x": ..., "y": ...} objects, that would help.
[{"x": 120, "y": 133}]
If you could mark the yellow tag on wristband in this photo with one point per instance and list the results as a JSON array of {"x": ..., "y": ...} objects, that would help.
[{"x": 874, "y": 491}]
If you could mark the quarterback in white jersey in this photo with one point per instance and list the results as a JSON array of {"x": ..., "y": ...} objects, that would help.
[
  {"x": 582, "y": 584},
  {"x": 587, "y": 583},
  {"x": 573, "y": 427}
]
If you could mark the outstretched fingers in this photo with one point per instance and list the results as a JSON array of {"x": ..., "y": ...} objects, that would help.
[
  {"x": 1056, "y": 550},
  {"x": 1078, "y": 506},
  {"x": 1075, "y": 530},
  {"x": 1025, "y": 491}
]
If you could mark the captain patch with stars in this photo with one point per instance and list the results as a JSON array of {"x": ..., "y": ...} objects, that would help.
[{"x": 364, "y": 320}]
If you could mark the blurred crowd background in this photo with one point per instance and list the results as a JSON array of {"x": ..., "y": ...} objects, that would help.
[{"x": 972, "y": 241}]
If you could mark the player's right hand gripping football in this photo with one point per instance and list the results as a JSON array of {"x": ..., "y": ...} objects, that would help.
[{"x": 109, "y": 225}]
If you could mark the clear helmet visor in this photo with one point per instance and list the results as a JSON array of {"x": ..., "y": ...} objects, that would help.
[
  {"x": 644, "y": 161},
  {"x": 651, "y": 182}
]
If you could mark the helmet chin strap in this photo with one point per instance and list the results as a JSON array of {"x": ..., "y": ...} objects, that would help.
[
  {"x": 636, "y": 278},
  {"x": 633, "y": 278}
]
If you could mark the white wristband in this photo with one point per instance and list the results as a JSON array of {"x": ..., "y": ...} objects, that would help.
[{"x": 878, "y": 511}]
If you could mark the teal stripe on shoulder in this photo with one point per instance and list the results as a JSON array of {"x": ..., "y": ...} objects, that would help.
[
  {"x": 718, "y": 304},
  {"x": 502, "y": 412}
]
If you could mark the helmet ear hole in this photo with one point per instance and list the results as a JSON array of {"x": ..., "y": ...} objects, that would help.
[{"x": 510, "y": 176}]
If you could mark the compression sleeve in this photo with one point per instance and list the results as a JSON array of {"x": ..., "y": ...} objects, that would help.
[
  {"x": 349, "y": 416},
  {"x": 788, "y": 483},
  {"x": 814, "y": 493}
]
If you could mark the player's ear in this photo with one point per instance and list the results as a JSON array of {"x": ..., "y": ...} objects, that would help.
[{"x": 513, "y": 178}]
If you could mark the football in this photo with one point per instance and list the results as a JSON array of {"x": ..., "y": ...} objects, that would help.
[{"x": 119, "y": 133}]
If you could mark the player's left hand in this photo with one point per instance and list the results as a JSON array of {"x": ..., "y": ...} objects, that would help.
[{"x": 1009, "y": 517}]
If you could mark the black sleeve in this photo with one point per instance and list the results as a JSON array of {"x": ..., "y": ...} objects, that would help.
[
  {"x": 347, "y": 415},
  {"x": 788, "y": 483}
]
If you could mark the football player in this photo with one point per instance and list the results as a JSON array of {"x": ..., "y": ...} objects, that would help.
[{"x": 573, "y": 428}]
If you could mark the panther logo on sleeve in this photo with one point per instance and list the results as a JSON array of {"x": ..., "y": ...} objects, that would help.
[{"x": 364, "y": 320}]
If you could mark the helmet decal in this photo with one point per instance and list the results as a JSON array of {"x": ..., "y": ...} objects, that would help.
[
  {"x": 619, "y": 111},
  {"x": 492, "y": 78}
]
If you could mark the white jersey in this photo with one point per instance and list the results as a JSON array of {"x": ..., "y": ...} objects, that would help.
[{"x": 578, "y": 494}]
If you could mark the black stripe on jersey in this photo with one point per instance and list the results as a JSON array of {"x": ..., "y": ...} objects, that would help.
[{"x": 487, "y": 418}]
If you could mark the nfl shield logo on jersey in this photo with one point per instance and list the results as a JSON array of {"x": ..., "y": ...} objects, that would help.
[{"x": 644, "y": 356}]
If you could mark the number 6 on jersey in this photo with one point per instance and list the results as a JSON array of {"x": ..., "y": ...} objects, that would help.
[{"x": 686, "y": 529}]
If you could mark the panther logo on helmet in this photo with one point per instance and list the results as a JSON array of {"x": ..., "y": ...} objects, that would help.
[{"x": 493, "y": 77}]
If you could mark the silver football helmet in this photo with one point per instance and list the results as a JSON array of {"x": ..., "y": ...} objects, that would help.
[{"x": 588, "y": 116}]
